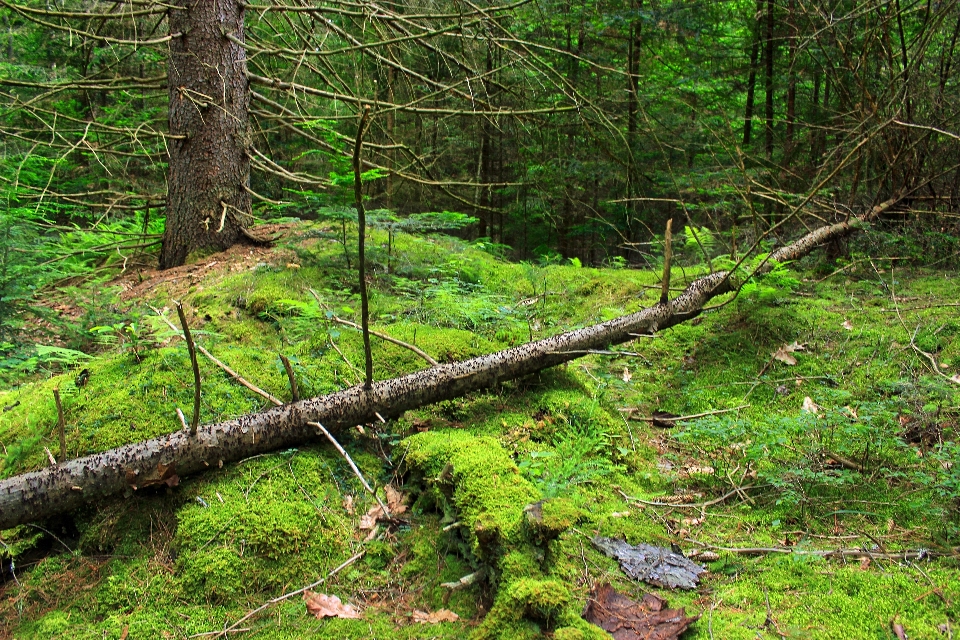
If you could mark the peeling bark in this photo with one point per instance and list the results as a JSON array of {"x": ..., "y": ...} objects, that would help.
[{"x": 63, "y": 487}]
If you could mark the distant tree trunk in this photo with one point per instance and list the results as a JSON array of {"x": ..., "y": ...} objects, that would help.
[
  {"x": 208, "y": 206},
  {"x": 768, "y": 85},
  {"x": 752, "y": 79},
  {"x": 791, "y": 83}
]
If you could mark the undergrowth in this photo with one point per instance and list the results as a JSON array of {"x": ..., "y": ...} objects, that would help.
[{"x": 836, "y": 432}]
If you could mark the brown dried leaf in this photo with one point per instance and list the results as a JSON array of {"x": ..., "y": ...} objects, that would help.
[
  {"x": 847, "y": 325},
  {"x": 348, "y": 504},
  {"x": 627, "y": 376},
  {"x": 323, "y": 606},
  {"x": 441, "y": 615},
  {"x": 810, "y": 406},
  {"x": 369, "y": 519},
  {"x": 396, "y": 501},
  {"x": 783, "y": 353},
  {"x": 784, "y": 356},
  {"x": 625, "y": 619}
]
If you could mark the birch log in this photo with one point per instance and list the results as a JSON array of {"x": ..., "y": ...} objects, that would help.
[{"x": 65, "y": 486}]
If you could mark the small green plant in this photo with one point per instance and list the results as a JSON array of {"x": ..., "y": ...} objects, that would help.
[
  {"x": 131, "y": 336},
  {"x": 580, "y": 456}
]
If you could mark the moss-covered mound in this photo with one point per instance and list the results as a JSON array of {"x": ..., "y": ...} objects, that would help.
[{"x": 827, "y": 412}]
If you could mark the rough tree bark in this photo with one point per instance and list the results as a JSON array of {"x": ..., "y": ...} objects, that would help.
[
  {"x": 64, "y": 487},
  {"x": 208, "y": 205}
]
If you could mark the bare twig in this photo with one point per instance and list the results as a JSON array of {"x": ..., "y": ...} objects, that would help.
[
  {"x": 183, "y": 419},
  {"x": 834, "y": 553},
  {"x": 233, "y": 374},
  {"x": 294, "y": 391},
  {"x": 382, "y": 336},
  {"x": 697, "y": 505},
  {"x": 667, "y": 255},
  {"x": 849, "y": 464},
  {"x": 353, "y": 466},
  {"x": 269, "y": 603},
  {"x": 61, "y": 426},
  {"x": 690, "y": 417},
  {"x": 361, "y": 264},
  {"x": 196, "y": 369}
]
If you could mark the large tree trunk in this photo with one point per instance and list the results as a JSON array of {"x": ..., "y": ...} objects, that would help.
[
  {"x": 66, "y": 486},
  {"x": 208, "y": 205}
]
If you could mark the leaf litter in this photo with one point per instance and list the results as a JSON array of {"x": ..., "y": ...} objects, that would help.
[
  {"x": 321, "y": 606},
  {"x": 626, "y": 619}
]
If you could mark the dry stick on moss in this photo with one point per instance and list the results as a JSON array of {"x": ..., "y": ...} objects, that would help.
[
  {"x": 356, "y": 470},
  {"x": 697, "y": 505},
  {"x": 382, "y": 336},
  {"x": 917, "y": 554},
  {"x": 61, "y": 426},
  {"x": 913, "y": 344},
  {"x": 269, "y": 603},
  {"x": 667, "y": 255},
  {"x": 843, "y": 462},
  {"x": 230, "y": 372},
  {"x": 294, "y": 391},
  {"x": 690, "y": 417},
  {"x": 195, "y": 421},
  {"x": 361, "y": 265}
]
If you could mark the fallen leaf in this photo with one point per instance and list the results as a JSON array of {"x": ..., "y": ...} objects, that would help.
[
  {"x": 865, "y": 563},
  {"x": 626, "y": 619},
  {"x": 348, "y": 504},
  {"x": 784, "y": 356},
  {"x": 369, "y": 519},
  {"x": 846, "y": 325},
  {"x": 810, "y": 406},
  {"x": 441, "y": 615},
  {"x": 627, "y": 376},
  {"x": 955, "y": 378},
  {"x": 783, "y": 353},
  {"x": 657, "y": 565},
  {"x": 396, "y": 501},
  {"x": 323, "y": 606}
]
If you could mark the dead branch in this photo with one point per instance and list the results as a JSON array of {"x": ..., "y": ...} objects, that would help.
[{"x": 58, "y": 489}]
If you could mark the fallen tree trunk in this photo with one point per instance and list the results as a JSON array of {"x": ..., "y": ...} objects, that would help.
[{"x": 63, "y": 487}]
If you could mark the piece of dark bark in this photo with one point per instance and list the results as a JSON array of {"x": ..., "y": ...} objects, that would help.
[
  {"x": 664, "y": 420},
  {"x": 626, "y": 619},
  {"x": 658, "y": 566}
]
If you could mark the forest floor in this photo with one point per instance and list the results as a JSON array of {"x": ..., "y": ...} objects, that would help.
[{"x": 827, "y": 412}]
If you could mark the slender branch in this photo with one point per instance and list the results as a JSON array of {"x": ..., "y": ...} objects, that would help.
[
  {"x": 61, "y": 426},
  {"x": 286, "y": 596},
  {"x": 294, "y": 391},
  {"x": 195, "y": 421},
  {"x": 353, "y": 466},
  {"x": 361, "y": 264},
  {"x": 382, "y": 336},
  {"x": 667, "y": 255},
  {"x": 230, "y": 372}
]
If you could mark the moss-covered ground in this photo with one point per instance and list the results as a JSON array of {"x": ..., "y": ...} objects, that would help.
[{"x": 846, "y": 441}]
